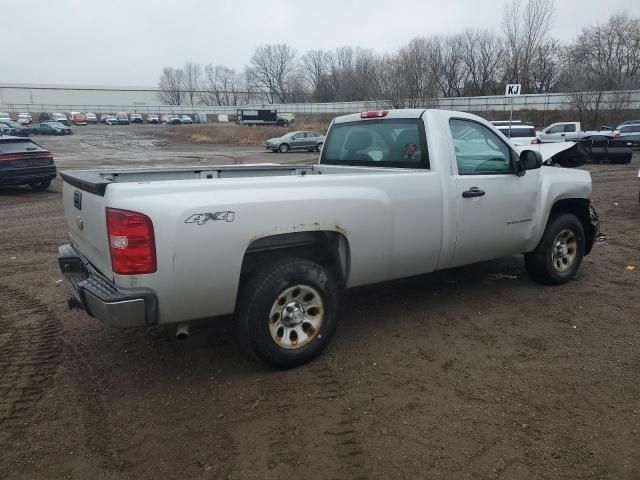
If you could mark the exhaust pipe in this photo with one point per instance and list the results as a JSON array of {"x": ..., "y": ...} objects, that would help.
[{"x": 182, "y": 332}]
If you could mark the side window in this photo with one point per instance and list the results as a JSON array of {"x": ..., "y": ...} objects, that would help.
[
  {"x": 479, "y": 151},
  {"x": 635, "y": 129},
  {"x": 625, "y": 130},
  {"x": 556, "y": 129},
  {"x": 569, "y": 128}
]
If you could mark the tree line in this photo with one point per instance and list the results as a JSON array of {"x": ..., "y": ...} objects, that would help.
[{"x": 474, "y": 62}]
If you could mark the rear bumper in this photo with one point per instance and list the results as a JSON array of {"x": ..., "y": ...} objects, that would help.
[
  {"x": 100, "y": 298},
  {"x": 26, "y": 175}
]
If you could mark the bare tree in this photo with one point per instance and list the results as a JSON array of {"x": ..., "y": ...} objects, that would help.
[
  {"x": 389, "y": 83},
  {"x": 611, "y": 52},
  {"x": 171, "y": 86},
  {"x": 315, "y": 66},
  {"x": 453, "y": 74},
  {"x": 546, "y": 67},
  {"x": 525, "y": 29},
  {"x": 481, "y": 53},
  {"x": 269, "y": 69},
  {"x": 604, "y": 57},
  {"x": 192, "y": 76},
  {"x": 418, "y": 65},
  {"x": 222, "y": 86}
]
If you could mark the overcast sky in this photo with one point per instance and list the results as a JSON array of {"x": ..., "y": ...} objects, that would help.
[{"x": 128, "y": 42}]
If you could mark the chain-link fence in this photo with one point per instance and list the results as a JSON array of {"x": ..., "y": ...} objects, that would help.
[{"x": 16, "y": 98}]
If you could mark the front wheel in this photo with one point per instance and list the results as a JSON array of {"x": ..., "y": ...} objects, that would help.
[
  {"x": 284, "y": 148},
  {"x": 558, "y": 256},
  {"x": 287, "y": 312},
  {"x": 319, "y": 147}
]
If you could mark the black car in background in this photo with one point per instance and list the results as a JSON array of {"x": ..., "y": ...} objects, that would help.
[
  {"x": 24, "y": 162},
  {"x": 14, "y": 128},
  {"x": 51, "y": 128},
  {"x": 44, "y": 117}
]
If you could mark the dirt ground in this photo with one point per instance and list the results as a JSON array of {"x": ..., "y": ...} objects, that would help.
[{"x": 472, "y": 373}]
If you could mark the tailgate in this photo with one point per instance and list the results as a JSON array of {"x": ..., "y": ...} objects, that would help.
[{"x": 86, "y": 219}]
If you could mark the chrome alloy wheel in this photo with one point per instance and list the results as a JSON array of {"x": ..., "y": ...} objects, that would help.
[
  {"x": 564, "y": 250},
  {"x": 296, "y": 317}
]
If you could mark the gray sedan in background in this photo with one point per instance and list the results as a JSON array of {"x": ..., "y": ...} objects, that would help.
[{"x": 301, "y": 140}]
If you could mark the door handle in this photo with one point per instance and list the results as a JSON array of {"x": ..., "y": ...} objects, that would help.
[
  {"x": 562, "y": 135},
  {"x": 473, "y": 192}
]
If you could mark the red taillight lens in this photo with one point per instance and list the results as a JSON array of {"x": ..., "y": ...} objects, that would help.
[
  {"x": 22, "y": 156},
  {"x": 131, "y": 242},
  {"x": 374, "y": 114}
]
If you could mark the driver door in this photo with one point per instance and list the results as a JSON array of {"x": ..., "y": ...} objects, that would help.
[
  {"x": 297, "y": 141},
  {"x": 495, "y": 206}
]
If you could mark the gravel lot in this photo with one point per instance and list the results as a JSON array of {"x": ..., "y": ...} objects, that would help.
[{"x": 472, "y": 373}]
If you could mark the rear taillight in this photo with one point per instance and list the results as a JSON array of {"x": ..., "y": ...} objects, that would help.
[
  {"x": 131, "y": 242},
  {"x": 22, "y": 156},
  {"x": 374, "y": 114}
]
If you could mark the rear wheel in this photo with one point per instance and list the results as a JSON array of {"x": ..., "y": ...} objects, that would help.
[
  {"x": 558, "y": 256},
  {"x": 287, "y": 312},
  {"x": 283, "y": 148},
  {"x": 40, "y": 186}
]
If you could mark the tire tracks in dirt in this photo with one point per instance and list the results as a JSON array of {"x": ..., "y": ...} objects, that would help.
[
  {"x": 29, "y": 357},
  {"x": 331, "y": 431}
]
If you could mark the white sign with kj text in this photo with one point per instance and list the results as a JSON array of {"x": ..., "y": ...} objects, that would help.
[{"x": 512, "y": 90}]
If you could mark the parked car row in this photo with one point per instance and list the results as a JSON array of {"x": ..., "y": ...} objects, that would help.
[{"x": 80, "y": 118}]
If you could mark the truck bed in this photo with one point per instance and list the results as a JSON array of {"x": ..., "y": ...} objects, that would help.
[{"x": 96, "y": 181}]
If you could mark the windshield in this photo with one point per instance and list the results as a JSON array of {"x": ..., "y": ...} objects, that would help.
[
  {"x": 11, "y": 124},
  {"x": 377, "y": 143}
]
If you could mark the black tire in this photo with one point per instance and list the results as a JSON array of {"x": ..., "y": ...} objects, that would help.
[
  {"x": 265, "y": 291},
  {"x": 41, "y": 185},
  {"x": 318, "y": 147},
  {"x": 549, "y": 266},
  {"x": 283, "y": 148}
]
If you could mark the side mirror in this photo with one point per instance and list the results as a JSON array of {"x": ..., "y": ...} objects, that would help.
[{"x": 529, "y": 160}]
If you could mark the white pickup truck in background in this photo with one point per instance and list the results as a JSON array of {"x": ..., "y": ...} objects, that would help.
[
  {"x": 395, "y": 194},
  {"x": 569, "y": 131}
]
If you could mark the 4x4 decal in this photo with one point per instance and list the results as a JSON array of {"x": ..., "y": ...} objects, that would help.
[{"x": 202, "y": 218}]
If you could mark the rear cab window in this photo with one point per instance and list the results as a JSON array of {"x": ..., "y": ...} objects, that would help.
[{"x": 399, "y": 143}]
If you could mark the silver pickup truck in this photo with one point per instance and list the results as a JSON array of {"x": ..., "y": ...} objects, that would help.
[{"x": 395, "y": 193}]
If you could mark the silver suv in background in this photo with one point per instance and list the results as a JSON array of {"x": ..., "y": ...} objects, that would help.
[
  {"x": 629, "y": 132},
  {"x": 60, "y": 117},
  {"x": 299, "y": 140}
]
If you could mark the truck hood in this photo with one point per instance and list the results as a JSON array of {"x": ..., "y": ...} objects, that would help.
[{"x": 565, "y": 154}]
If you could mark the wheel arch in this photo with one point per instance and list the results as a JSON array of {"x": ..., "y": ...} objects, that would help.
[
  {"x": 327, "y": 248},
  {"x": 580, "y": 208}
]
